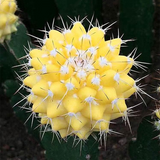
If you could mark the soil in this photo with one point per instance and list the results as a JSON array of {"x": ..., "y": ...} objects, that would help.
[{"x": 17, "y": 144}]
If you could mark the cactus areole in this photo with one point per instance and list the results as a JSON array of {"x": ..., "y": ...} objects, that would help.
[{"x": 78, "y": 82}]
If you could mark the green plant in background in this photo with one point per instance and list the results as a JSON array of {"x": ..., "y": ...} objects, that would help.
[
  {"x": 136, "y": 20},
  {"x": 147, "y": 144},
  {"x": 52, "y": 10},
  {"x": 66, "y": 79},
  {"x": 148, "y": 137}
]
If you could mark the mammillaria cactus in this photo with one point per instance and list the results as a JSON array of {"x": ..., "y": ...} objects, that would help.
[
  {"x": 7, "y": 19},
  {"x": 78, "y": 82}
]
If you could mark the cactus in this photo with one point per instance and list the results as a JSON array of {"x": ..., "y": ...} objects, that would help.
[
  {"x": 8, "y": 20},
  {"x": 77, "y": 82},
  {"x": 146, "y": 141},
  {"x": 157, "y": 122},
  {"x": 136, "y": 18}
]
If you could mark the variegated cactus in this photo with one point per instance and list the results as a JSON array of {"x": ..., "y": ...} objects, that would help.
[
  {"x": 78, "y": 82},
  {"x": 8, "y": 19}
]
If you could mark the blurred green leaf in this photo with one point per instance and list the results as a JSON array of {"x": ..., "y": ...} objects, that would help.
[{"x": 146, "y": 147}]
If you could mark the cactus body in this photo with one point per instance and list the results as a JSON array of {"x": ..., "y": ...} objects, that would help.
[{"x": 78, "y": 82}]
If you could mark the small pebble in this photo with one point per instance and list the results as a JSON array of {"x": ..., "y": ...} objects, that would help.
[
  {"x": 115, "y": 146},
  {"x": 12, "y": 148},
  {"x": 122, "y": 141},
  {"x": 134, "y": 139},
  {"x": 88, "y": 156}
]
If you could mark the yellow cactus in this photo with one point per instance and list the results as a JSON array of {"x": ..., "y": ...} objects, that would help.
[
  {"x": 78, "y": 82},
  {"x": 8, "y": 19},
  {"x": 157, "y": 112},
  {"x": 157, "y": 122}
]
